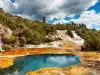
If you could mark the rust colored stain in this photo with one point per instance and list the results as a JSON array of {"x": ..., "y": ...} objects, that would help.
[
  {"x": 12, "y": 54},
  {"x": 6, "y": 62},
  {"x": 74, "y": 70},
  {"x": 32, "y": 51}
]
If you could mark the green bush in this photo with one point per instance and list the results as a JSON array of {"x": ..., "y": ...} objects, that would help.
[
  {"x": 69, "y": 32},
  {"x": 10, "y": 40},
  {"x": 35, "y": 32},
  {"x": 6, "y": 47},
  {"x": 22, "y": 41}
]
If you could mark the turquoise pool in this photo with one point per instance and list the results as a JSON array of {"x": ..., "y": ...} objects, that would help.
[{"x": 22, "y": 65}]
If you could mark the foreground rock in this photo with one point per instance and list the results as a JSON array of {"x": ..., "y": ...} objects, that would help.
[
  {"x": 85, "y": 57},
  {"x": 73, "y": 70},
  {"x": 5, "y": 32},
  {"x": 6, "y": 62}
]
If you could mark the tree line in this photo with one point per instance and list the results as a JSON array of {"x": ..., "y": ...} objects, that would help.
[{"x": 34, "y": 32}]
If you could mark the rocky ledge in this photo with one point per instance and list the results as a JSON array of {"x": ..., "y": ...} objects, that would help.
[{"x": 73, "y": 70}]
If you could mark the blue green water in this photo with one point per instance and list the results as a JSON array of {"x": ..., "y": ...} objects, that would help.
[{"x": 22, "y": 65}]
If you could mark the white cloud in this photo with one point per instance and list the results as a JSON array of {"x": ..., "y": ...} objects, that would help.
[
  {"x": 4, "y": 4},
  {"x": 7, "y": 5},
  {"x": 48, "y": 8},
  {"x": 71, "y": 16},
  {"x": 61, "y": 21},
  {"x": 35, "y": 9},
  {"x": 24, "y": 16},
  {"x": 90, "y": 18},
  {"x": 15, "y": 5}
]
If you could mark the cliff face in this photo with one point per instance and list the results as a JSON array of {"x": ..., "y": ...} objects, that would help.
[
  {"x": 5, "y": 32},
  {"x": 65, "y": 42},
  {"x": 61, "y": 34},
  {"x": 65, "y": 37}
]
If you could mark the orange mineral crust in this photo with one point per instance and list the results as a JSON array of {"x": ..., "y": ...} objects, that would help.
[
  {"x": 6, "y": 62},
  {"x": 74, "y": 70},
  {"x": 34, "y": 51},
  {"x": 7, "y": 58}
]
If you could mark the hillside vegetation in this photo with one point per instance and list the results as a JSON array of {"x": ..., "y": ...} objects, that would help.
[{"x": 34, "y": 32}]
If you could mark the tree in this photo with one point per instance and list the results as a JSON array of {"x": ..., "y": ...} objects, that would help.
[
  {"x": 22, "y": 41},
  {"x": 69, "y": 32},
  {"x": 44, "y": 19}
]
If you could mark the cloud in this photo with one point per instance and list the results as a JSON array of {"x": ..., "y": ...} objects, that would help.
[
  {"x": 7, "y": 5},
  {"x": 4, "y": 4},
  {"x": 90, "y": 18},
  {"x": 48, "y": 8},
  {"x": 61, "y": 21}
]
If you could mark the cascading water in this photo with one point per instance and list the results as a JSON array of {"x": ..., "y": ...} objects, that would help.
[{"x": 22, "y": 65}]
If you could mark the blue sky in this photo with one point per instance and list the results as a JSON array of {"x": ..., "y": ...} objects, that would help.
[
  {"x": 56, "y": 11},
  {"x": 12, "y": 1},
  {"x": 96, "y": 8}
]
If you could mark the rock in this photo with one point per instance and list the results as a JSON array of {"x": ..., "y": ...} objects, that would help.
[
  {"x": 73, "y": 70},
  {"x": 5, "y": 32},
  {"x": 65, "y": 37}
]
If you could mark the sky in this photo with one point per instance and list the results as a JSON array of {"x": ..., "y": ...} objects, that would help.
[{"x": 56, "y": 11}]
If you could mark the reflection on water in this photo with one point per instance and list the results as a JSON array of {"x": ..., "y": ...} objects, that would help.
[{"x": 22, "y": 65}]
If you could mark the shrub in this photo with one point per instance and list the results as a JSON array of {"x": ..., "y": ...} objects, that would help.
[
  {"x": 6, "y": 47},
  {"x": 10, "y": 40},
  {"x": 69, "y": 32}
]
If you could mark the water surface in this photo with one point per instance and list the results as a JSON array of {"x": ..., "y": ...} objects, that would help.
[{"x": 25, "y": 64}]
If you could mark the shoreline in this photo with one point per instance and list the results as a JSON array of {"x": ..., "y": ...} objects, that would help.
[{"x": 11, "y": 55}]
